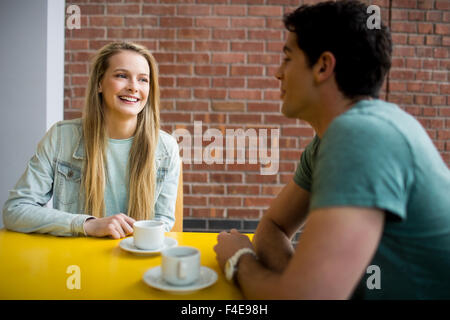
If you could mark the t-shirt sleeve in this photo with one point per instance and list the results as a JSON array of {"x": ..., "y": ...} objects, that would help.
[
  {"x": 363, "y": 162},
  {"x": 303, "y": 173}
]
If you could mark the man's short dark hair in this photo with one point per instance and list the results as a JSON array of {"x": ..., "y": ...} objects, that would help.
[{"x": 363, "y": 55}]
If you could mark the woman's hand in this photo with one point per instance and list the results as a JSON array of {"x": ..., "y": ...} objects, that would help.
[{"x": 117, "y": 226}]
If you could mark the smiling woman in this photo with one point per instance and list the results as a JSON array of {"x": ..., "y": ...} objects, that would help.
[{"x": 111, "y": 167}]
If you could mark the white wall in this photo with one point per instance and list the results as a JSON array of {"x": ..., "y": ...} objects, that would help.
[{"x": 31, "y": 81}]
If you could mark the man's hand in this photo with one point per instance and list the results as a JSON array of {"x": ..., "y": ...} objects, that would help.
[
  {"x": 117, "y": 226},
  {"x": 228, "y": 244}
]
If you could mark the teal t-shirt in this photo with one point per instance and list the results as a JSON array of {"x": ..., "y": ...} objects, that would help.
[
  {"x": 376, "y": 155},
  {"x": 116, "y": 189}
]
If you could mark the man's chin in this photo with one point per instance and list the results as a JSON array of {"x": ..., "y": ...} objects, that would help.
[{"x": 288, "y": 113}]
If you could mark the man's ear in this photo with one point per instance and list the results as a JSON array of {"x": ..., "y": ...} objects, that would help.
[{"x": 324, "y": 67}]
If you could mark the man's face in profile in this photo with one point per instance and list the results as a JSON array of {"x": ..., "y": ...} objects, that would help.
[{"x": 297, "y": 85}]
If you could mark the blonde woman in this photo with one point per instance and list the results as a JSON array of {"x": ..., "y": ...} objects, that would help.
[{"x": 110, "y": 168}]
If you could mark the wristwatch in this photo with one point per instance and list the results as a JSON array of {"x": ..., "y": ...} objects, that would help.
[{"x": 230, "y": 266}]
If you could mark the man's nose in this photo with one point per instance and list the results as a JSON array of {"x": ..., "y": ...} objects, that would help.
[{"x": 279, "y": 73}]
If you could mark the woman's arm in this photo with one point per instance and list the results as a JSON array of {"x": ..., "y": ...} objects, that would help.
[{"x": 25, "y": 210}]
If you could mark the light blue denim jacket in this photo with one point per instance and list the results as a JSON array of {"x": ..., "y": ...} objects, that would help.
[{"x": 55, "y": 170}]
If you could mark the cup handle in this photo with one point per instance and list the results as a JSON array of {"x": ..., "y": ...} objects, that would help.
[{"x": 181, "y": 270}]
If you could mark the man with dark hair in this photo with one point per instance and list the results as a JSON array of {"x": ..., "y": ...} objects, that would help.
[{"x": 370, "y": 189}]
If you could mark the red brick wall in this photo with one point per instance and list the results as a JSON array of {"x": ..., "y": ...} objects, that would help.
[{"x": 217, "y": 60}]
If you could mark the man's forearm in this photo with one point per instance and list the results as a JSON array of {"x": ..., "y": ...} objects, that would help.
[
  {"x": 273, "y": 247},
  {"x": 257, "y": 282}
]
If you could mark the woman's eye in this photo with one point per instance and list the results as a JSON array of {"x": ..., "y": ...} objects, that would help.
[
  {"x": 144, "y": 79},
  {"x": 121, "y": 75}
]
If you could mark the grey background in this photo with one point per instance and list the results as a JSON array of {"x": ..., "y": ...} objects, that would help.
[{"x": 31, "y": 81}]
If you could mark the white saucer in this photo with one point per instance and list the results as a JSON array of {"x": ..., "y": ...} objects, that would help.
[
  {"x": 153, "y": 278},
  {"x": 127, "y": 244}
]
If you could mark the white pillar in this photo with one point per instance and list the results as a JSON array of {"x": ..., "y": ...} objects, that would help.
[{"x": 31, "y": 81}]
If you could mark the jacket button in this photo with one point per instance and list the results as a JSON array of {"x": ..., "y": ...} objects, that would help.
[{"x": 70, "y": 174}]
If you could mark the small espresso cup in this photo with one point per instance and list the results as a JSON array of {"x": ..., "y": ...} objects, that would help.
[
  {"x": 180, "y": 265},
  {"x": 148, "y": 234}
]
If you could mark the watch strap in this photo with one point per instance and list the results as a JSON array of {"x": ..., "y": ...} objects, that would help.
[{"x": 234, "y": 259}]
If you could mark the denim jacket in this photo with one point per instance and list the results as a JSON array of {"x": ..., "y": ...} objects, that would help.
[{"x": 55, "y": 170}]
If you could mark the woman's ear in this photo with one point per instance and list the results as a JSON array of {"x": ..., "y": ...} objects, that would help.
[{"x": 99, "y": 88}]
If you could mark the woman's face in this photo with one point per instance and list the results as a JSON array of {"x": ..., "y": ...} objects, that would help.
[{"x": 125, "y": 85}]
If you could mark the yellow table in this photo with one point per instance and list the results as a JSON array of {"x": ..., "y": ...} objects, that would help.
[{"x": 36, "y": 266}]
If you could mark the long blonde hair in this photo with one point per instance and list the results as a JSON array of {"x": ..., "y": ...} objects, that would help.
[{"x": 141, "y": 163}]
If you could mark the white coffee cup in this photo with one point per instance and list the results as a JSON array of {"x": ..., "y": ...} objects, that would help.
[
  {"x": 148, "y": 234},
  {"x": 180, "y": 265}
]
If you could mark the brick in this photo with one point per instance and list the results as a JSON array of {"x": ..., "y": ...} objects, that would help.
[
  {"x": 209, "y": 94},
  {"x": 248, "y": 22},
  {"x": 245, "y": 118},
  {"x": 176, "y": 22},
  {"x": 211, "y": 70},
  {"x": 245, "y": 94},
  {"x": 106, "y": 21},
  {"x": 192, "y": 33},
  {"x": 411, "y": 4},
  {"x": 443, "y": 29},
  {"x": 434, "y": 16},
  {"x": 158, "y": 10},
  {"x": 123, "y": 9},
  {"x": 264, "y": 34},
  {"x": 194, "y": 200},
  {"x": 175, "y": 69},
  {"x": 212, "y": 22},
  {"x": 229, "y": 34},
  {"x": 229, "y": 82},
  {"x": 243, "y": 189},
  {"x": 230, "y": 10},
  {"x": 123, "y": 33},
  {"x": 442, "y": 5},
  {"x": 246, "y": 70},
  {"x": 425, "y": 28},
  {"x": 193, "y": 82},
  {"x": 193, "y": 10},
  {"x": 209, "y": 189},
  {"x": 258, "y": 178},
  {"x": 247, "y": 46},
  {"x": 228, "y": 58},
  {"x": 211, "y": 46},
  {"x": 175, "y": 45},
  {"x": 425, "y": 4},
  {"x": 267, "y": 11},
  {"x": 228, "y": 106},
  {"x": 243, "y": 213},
  {"x": 192, "y": 106},
  {"x": 192, "y": 57}
]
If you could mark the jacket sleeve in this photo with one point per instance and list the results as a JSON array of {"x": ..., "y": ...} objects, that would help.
[
  {"x": 25, "y": 210},
  {"x": 165, "y": 203}
]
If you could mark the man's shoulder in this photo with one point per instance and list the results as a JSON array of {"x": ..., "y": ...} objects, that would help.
[{"x": 372, "y": 120}]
